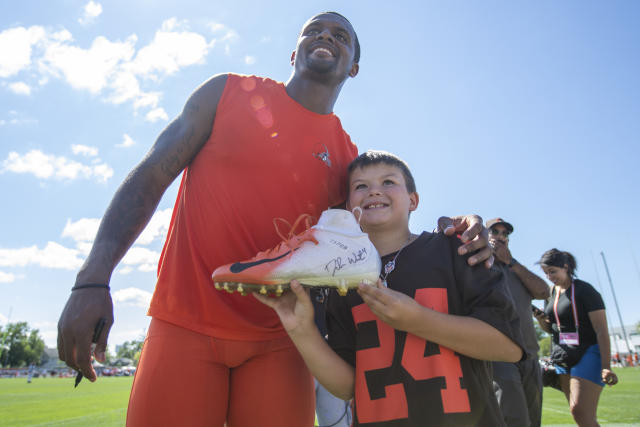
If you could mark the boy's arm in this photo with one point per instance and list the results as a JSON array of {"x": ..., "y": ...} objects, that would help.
[
  {"x": 295, "y": 310},
  {"x": 465, "y": 335}
]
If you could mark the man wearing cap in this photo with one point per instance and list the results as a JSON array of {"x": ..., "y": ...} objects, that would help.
[{"x": 518, "y": 386}]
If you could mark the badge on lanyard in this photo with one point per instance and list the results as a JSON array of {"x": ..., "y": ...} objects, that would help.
[{"x": 568, "y": 338}]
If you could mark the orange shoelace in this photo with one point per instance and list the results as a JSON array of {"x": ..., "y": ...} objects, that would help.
[{"x": 292, "y": 240}]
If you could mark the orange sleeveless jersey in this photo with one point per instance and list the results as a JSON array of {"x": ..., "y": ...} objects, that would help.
[{"x": 267, "y": 157}]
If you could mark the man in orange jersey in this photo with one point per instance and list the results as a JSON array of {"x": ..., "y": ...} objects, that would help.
[{"x": 252, "y": 149}]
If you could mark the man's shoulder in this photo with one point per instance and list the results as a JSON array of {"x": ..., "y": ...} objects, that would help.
[{"x": 250, "y": 82}]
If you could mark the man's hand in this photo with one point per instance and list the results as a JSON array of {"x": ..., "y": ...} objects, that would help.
[
  {"x": 76, "y": 326},
  {"x": 393, "y": 308},
  {"x": 474, "y": 236},
  {"x": 501, "y": 251},
  {"x": 294, "y": 308}
]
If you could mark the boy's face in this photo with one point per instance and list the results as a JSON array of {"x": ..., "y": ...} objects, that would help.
[{"x": 381, "y": 192}]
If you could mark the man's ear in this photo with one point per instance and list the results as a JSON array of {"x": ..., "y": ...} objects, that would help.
[
  {"x": 354, "y": 69},
  {"x": 414, "y": 200},
  {"x": 293, "y": 57}
]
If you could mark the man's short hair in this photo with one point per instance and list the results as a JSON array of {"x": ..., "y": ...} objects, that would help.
[{"x": 376, "y": 157}]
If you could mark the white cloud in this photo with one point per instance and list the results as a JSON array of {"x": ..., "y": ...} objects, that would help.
[
  {"x": 132, "y": 296},
  {"x": 20, "y": 88},
  {"x": 84, "y": 247},
  {"x": 83, "y": 230},
  {"x": 47, "y": 166},
  {"x": 16, "y": 46},
  {"x": 127, "y": 141},
  {"x": 84, "y": 150},
  {"x": 156, "y": 114},
  {"x": 230, "y": 35},
  {"x": 216, "y": 27},
  {"x": 157, "y": 227},
  {"x": 18, "y": 121},
  {"x": 53, "y": 255},
  {"x": 148, "y": 99},
  {"x": 169, "y": 51},
  {"x": 125, "y": 270},
  {"x": 91, "y": 11},
  {"x": 7, "y": 277},
  {"x": 90, "y": 69},
  {"x": 249, "y": 60},
  {"x": 3, "y": 319},
  {"x": 145, "y": 259},
  {"x": 102, "y": 171},
  {"x": 112, "y": 69}
]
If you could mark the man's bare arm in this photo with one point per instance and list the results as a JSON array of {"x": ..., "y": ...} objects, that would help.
[
  {"x": 128, "y": 213},
  {"x": 537, "y": 287}
]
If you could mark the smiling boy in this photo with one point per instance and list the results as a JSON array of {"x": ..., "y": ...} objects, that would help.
[{"x": 410, "y": 350}]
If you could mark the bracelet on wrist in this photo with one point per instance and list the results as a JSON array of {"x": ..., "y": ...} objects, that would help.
[
  {"x": 512, "y": 263},
  {"x": 91, "y": 285}
]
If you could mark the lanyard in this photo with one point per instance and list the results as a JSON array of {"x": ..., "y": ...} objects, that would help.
[{"x": 573, "y": 306}]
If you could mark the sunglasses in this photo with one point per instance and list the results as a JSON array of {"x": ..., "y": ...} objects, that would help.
[{"x": 503, "y": 233}]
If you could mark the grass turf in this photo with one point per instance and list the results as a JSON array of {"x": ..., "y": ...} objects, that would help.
[
  {"x": 54, "y": 401},
  {"x": 619, "y": 405}
]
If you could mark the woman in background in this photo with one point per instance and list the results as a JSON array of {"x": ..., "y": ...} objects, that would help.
[{"x": 575, "y": 316}]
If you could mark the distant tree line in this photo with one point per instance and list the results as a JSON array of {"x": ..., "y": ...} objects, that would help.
[
  {"x": 130, "y": 350},
  {"x": 20, "y": 346}
]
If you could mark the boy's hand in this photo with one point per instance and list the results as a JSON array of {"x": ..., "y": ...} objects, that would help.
[
  {"x": 474, "y": 235},
  {"x": 392, "y": 307},
  {"x": 294, "y": 308}
]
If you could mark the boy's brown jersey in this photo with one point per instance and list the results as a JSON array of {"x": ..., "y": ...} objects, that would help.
[{"x": 403, "y": 380}]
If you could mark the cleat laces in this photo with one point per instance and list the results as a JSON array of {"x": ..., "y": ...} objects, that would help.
[{"x": 291, "y": 240}]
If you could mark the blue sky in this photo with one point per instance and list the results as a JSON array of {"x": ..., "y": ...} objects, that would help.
[{"x": 528, "y": 111}]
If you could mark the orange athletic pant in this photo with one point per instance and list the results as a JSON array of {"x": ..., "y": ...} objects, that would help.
[{"x": 188, "y": 379}]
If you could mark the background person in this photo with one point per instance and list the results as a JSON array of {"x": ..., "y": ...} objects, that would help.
[
  {"x": 575, "y": 316},
  {"x": 518, "y": 386}
]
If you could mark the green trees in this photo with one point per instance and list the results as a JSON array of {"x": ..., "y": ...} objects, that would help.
[
  {"x": 543, "y": 340},
  {"x": 20, "y": 345},
  {"x": 130, "y": 350}
]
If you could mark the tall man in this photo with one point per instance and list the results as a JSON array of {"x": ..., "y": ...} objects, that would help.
[
  {"x": 252, "y": 149},
  {"x": 518, "y": 386}
]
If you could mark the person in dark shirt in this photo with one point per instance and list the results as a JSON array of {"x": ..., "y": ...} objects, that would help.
[
  {"x": 518, "y": 386},
  {"x": 575, "y": 316},
  {"x": 411, "y": 349}
]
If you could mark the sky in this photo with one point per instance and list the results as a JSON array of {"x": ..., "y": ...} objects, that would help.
[{"x": 525, "y": 110}]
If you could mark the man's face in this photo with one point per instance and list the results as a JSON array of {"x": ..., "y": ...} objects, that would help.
[
  {"x": 498, "y": 233},
  {"x": 326, "y": 46}
]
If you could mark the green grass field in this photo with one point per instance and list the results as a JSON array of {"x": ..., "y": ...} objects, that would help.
[
  {"x": 619, "y": 405},
  {"x": 54, "y": 401}
]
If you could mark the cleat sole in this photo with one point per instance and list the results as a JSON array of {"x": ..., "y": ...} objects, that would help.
[{"x": 342, "y": 285}]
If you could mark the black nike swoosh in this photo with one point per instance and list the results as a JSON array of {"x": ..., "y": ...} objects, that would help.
[{"x": 238, "y": 267}]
